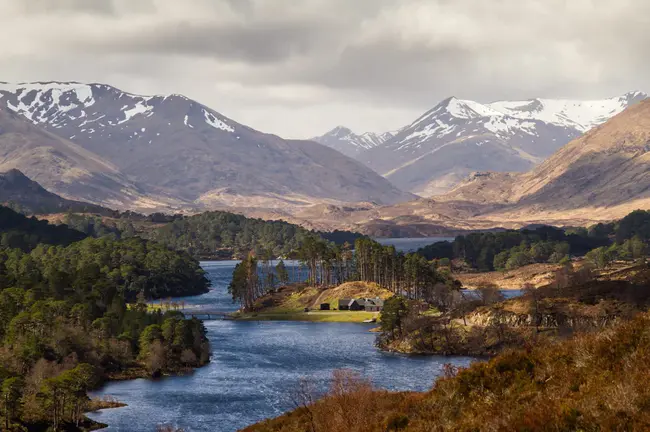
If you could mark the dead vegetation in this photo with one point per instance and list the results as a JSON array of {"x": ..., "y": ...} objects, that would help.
[{"x": 594, "y": 382}]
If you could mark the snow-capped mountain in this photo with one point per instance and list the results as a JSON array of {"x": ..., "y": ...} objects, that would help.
[
  {"x": 350, "y": 144},
  {"x": 96, "y": 111},
  {"x": 580, "y": 115},
  {"x": 457, "y": 137},
  {"x": 175, "y": 146}
]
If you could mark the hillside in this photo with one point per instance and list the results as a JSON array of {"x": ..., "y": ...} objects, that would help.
[
  {"x": 175, "y": 147},
  {"x": 601, "y": 176},
  {"x": 290, "y": 303},
  {"x": 595, "y": 382},
  {"x": 64, "y": 167},
  {"x": 65, "y": 320},
  {"x": 440, "y": 148},
  {"x": 19, "y": 192}
]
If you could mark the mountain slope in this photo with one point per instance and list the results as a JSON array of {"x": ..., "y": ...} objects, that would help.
[
  {"x": 19, "y": 192},
  {"x": 600, "y": 176},
  {"x": 60, "y": 165},
  {"x": 350, "y": 144},
  {"x": 458, "y": 137},
  {"x": 607, "y": 167},
  {"x": 174, "y": 146}
]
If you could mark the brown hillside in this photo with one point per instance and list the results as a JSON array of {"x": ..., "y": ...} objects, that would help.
[
  {"x": 605, "y": 167},
  {"x": 600, "y": 176},
  {"x": 62, "y": 166}
]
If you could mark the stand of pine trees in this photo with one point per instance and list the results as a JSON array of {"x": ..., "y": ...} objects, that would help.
[{"x": 328, "y": 264}]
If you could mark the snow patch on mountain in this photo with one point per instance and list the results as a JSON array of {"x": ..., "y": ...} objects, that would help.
[
  {"x": 140, "y": 107},
  {"x": 63, "y": 104},
  {"x": 466, "y": 109},
  {"x": 58, "y": 97},
  {"x": 216, "y": 123},
  {"x": 458, "y": 135},
  {"x": 455, "y": 118},
  {"x": 581, "y": 115}
]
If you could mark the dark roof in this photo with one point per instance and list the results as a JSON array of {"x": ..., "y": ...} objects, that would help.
[
  {"x": 370, "y": 301},
  {"x": 362, "y": 302},
  {"x": 378, "y": 301}
]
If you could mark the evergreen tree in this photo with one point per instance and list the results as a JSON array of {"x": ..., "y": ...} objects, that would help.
[{"x": 282, "y": 273}]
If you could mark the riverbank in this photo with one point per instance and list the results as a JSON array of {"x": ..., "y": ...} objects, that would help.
[
  {"x": 315, "y": 316},
  {"x": 299, "y": 302},
  {"x": 485, "y": 328},
  {"x": 254, "y": 366},
  {"x": 577, "y": 384}
]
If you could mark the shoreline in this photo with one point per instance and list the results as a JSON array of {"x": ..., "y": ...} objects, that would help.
[
  {"x": 129, "y": 374},
  {"x": 312, "y": 316}
]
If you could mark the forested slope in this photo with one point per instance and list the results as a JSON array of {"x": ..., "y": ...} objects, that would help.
[
  {"x": 227, "y": 234},
  {"x": 65, "y": 325}
]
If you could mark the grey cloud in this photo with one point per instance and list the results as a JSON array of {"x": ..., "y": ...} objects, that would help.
[
  {"x": 369, "y": 64},
  {"x": 259, "y": 43},
  {"x": 68, "y": 6}
]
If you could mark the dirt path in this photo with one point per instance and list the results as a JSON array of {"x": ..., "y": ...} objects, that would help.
[{"x": 316, "y": 304}]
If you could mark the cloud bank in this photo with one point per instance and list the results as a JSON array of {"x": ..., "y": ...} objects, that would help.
[{"x": 299, "y": 68}]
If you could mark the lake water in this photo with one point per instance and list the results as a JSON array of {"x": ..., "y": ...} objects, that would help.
[
  {"x": 254, "y": 368},
  {"x": 411, "y": 244}
]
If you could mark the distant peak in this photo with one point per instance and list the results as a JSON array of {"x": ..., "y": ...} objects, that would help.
[
  {"x": 634, "y": 95},
  {"x": 447, "y": 102},
  {"x": 464, "y": 109},
  {"x": 340, "y": 131}
]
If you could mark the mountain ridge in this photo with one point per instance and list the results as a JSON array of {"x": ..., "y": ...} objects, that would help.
[
  {"x": 351, "y": 144},
  {"x": 599, "y": 177},
  {"x": 456, "y": 137},
  {"x": 175, "y": 147}
]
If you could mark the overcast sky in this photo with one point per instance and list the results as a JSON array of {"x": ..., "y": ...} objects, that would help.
[{"x": 297, "y": 68}]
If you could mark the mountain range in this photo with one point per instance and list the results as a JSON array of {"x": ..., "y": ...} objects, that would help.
[
  {"x": 96, "y": 143},
  {"x": 457, "y": 137},
  {"x": 600, "y": 176}
]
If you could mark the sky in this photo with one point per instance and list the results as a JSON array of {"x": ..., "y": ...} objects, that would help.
[{"x": 298, "y": 68}]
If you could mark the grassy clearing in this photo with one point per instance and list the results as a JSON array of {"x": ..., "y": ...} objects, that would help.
[
  {"x": 313, "y": 316},
  {"x": 289, "y": 303}
]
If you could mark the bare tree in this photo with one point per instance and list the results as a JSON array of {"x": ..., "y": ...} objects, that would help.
[
  {"x": 303, "y": 396},
  {"x": 489, "y": 293},
  {"x": 531, "y": 292}
]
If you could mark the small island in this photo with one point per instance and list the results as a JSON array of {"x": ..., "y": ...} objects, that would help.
[{"x": 350, "y": 302}]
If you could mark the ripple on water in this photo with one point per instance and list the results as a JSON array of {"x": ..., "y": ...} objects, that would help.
[{"x": 255, "y": 365}]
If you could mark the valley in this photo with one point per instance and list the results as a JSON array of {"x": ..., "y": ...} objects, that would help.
[{"x": 193, "y": 262}]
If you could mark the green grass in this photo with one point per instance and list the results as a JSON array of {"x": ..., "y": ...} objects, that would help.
[{"x": 314, "y": 316}]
